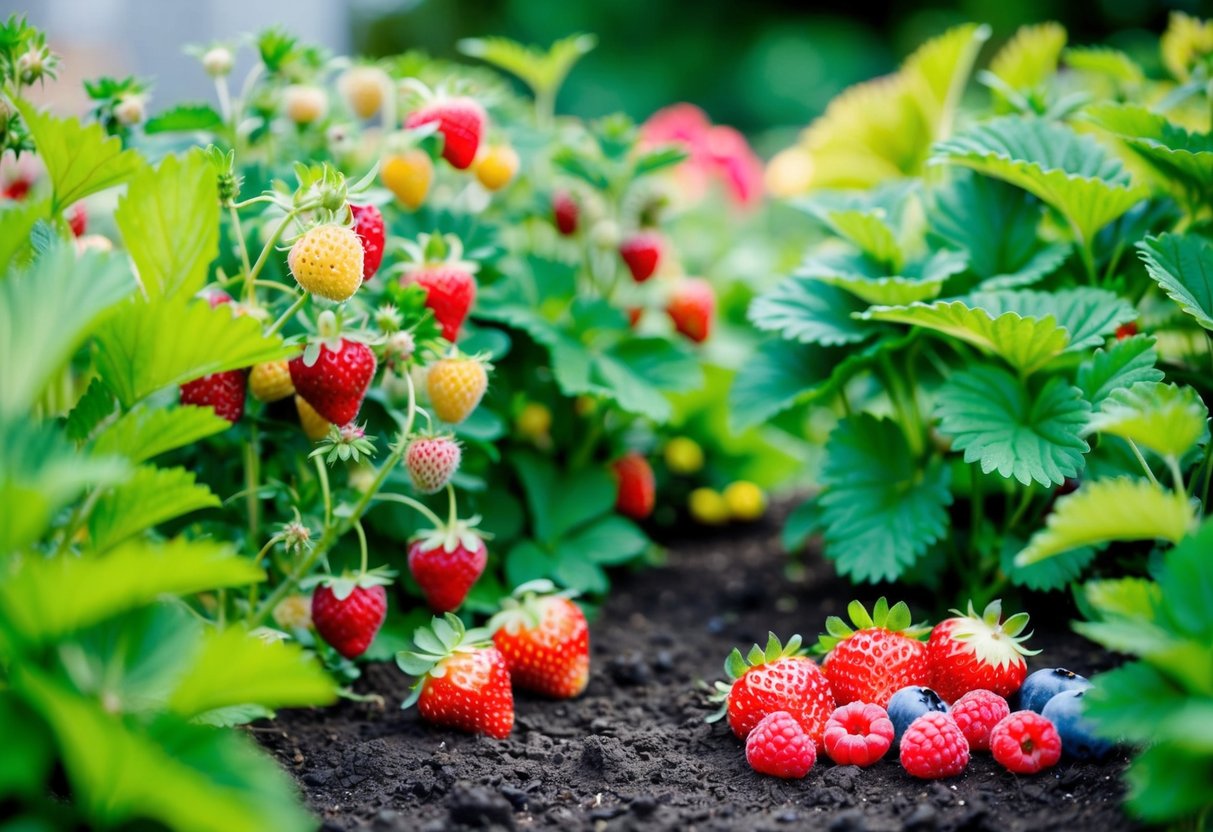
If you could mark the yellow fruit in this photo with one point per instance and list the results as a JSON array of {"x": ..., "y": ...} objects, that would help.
[
  {"x": 708, "y": 507},
  {"x": 314, "y": 425},
  {"x": 789, "y": 173},
  {"x": 271, "y": 381},
  {"x": 497, "y": 167},
  {"x": 408, "y": 175},
  {"x": 683, "y": 455},
  {"x": 535, "y": 421},
  {"x": 305, "y": 104},
  {"x": 327, "y": 261},
  {"x": 294, "y": 612},
  {"x": 363, "y": 88},
  {"x": 585, "y": 406},
  {"x": 746, "y": 501},
  {"x": 456, "y": 386}
]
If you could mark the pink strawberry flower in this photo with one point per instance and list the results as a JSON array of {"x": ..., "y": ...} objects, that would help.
[{"x": 716, "y": 153}]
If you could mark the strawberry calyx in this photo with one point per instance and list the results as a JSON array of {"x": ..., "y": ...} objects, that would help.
[
  {"x": 994, "y": 641},
  {"x": 524, "y": 607},
  {"x": 737, "y": 665},
  {"x": 443, "y": 638},
  {"x": 895, "y": 619},
  {"x": 343, "y": 585},
  {"x": 452, "y": 534},
  {"x": 431, "y": 251},
  {"x": 345, "y": 443}
]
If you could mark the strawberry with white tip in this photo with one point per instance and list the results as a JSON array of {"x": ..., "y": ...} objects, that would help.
[
  {"x": 432, "y": 461},
  {"x": 978, "y": 652}
]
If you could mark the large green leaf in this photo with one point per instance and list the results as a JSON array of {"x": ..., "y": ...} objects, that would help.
[
  {"x": 145, "y": 432},
  {"x": 1105, "y": 511},
  {"x": 1123, "y": 364},
  {"x": 46, "y": 312},
  {"x": 1182, "y": 264},
  {"x": 49, "y": 597},
  {"x": 146, "y": 347},
  {"x": 867, "y": 231},
  {"x": 1027, "y": 344},
  {"x": 805, "y": 309},
  {"x": 1046, "y": 575},
  {"x": 153, "y": 495},
  {"x": 1030, "y": 57},
  {"x": 542, "y": 70},
  {"x": 1030, "y": 432},
  {"x": 881, "y": 509},
  {"x": 1103, "y": 60},
  {"x": 636, "y": 373},
  {"x": 559, "y": 504},
  {"x": 1090, "y": 316},
  {"x": 1165, "y": 418},
  {"x": 176, "y": 775},
  {"x": 236, "y": 668},
  {"x": 1176, "y": 153},
  {"x": 1069, "y": 171},
  {"x": 920, "y": 281},
  {"x": 169, "y": 219},
  {"x": 18, "y": 220},
  {"x": 79, "y": 160},
  {"x": 993, "y": 222}
]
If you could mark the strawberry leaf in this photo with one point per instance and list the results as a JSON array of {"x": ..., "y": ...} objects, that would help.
[
  {"x": 144, "y": 432},
  {"x": 807, "y": 310},
  {"x": 1088, "y": 315},
  {"x": 1029, "y": 432},
  {"x": 1182, "y": 264},
  {"x": 153, "y": 495},
  {"x": 1121, "y": 365},
  {"x": 1182, "y": 157},
  {"x": 1162, "y": 417},
  {"x": 183, "y": 118},
  {"x": 992, "y": 222},
  {"x": 1046, "y": 575},
  {"x": 1030, "y": 57}
]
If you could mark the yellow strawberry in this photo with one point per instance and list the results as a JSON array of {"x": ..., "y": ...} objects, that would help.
[
  {"x": 497, "y": 166},
  {"x": 314, "y": 425},
  {"x": 271, "y": 381},
  {"x": 363, "y": 88},
  {"x": 456, "y": 386},
  {"x": 327, "y": 261},
  {"x": 683, "y": 455},
  {"x": 708, "y": 507},
  {"x": 304, "y": 103},
  {"x": 746, "y": 501},
  {"x": 408, "y": 175}
]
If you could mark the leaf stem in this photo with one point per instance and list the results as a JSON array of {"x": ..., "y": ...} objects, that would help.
[
  {"x": 421, "y": 508},
  {"x": 1142, "y": 460},
  {"x": 270, "y": 244},
  {"x": 323, "y": 474},
  {"x": 361, "y": 546},
  {"x": 1177, "y": 476},
  {"x": 252, "y": 482},
  {"x": 288, "y": 314}
]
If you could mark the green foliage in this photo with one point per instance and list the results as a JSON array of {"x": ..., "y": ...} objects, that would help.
[
  {"x": 542, "y": 71},
  {"x": 1180, "y": 265},
  {"x": 1165, "y": 418}
]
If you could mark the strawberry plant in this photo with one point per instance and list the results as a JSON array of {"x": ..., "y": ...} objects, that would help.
[{"x": 1006, "y": 318}]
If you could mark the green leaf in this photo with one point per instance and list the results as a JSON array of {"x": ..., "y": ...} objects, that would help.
[
  {"x": 1186, "y": 586},
  {"x": 94, "y": 407},
  {"x": 575, "y": 164},
  {"x": 575, "y": 571},
  {"x": 80, "y": 160},
  {"x": 1162, "y": 417},
  {"x": 803, "y": 522},
  {"x": 1032, "y": 433},
  {"x": 180, "y": 776},
  {"x": 18, "y": 220},
  {"x": 1123, "y": 364},
  {"x": 1182, "y": 264},
  {"x": 1136, "y": 598},
  {"x": 807, "y": 310},
  {"x": 50, "y": 597},
  {"x": 867, "y": 231},
  {"x": 146, "y": 432},
  {"x": 1130, "y": 702},
  {"x": 1105, "y": 511},
  {"x": 1042, "y": 264},
  {"x": 637, "y": 372},
  {"x": 560, "y": 505},
  {"x": 153, "y": 495},
  {"x": 1088, "y": 315},
  {"x": 236, "y": 668},
  {"x": 1030, "y": 57},
  {"x": 1170, "y": 783},
  {"x": 146, "y": 347},
  {"x": 527, "y": 562},
  {"x": 39, "y": 331},
  {"x": 1177, "y": 154},
  {"x": 609, "y": 542},
  {"x": 1103, "y": 60},
  {"x": 890, "y": 290},
  {"x": 169, "y": 219},
  {"x": 541, "y": 70},
  {"x": 880, "y": 509},
  {"x": 993, "y": 222},
  {"x": 1027, "y": 344},
  {"x": 185, "y": 118},
  {"x": 656, "y": 160},
  {"x": 1047, "y": 575},
  {"x": 1069, "y": 171}
]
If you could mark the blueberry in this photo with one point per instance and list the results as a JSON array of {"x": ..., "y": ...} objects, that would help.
[
  {"x": 1043, "y": 685},
  {"x": 908, "y": 704},
  {"x": 1078, "y": 737}
]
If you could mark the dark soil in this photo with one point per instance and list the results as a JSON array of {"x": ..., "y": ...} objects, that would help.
[{"x": 634, "y": 752}]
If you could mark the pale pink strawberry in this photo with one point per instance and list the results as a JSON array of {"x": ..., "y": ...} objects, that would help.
[{"x": 432, "y": 461}]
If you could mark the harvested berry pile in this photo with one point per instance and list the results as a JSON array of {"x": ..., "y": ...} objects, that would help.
[{"x": 634, "y": 751}]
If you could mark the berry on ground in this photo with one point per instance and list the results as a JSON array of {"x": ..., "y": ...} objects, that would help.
[
  {"x": 978, "y": 652},
  {"x": 708, "y": 506},
  {"x": 909, "y": 703},
  {"x": 1078, "y": 737},
  {"x": 745, "y": 500},
  {"x": 328, "y": 262},
  {"x": 637, "y": 492},
  {"x": 933, "y": 747},
  {"x": 545, "y": 640},
  {"x": 880, "y": 657},
  {"x": 778, "y": 746},
  {"x": 1025, "y": 742},
  {"x": 858, "y": 734},
  {"x": 1043, "y": 685},
  {"x": 976, "y": 713},
  {"x": 349, "y": 623}
]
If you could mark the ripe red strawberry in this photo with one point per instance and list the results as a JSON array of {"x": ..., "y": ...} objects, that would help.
[
  {"x": 77, "y": 218},
  {"x": 1025, "y": 742},
  {"x": 778, "y": 746},
  {"x": 635, "y": 313},
  {"x": 335, "y": 384},
  {"x": 976, "y": 713},
  {"x": 1126, "y": 330},
  {"x": 215, "y": 297},
  {"x": 858, "y": 734},
  {"x": 777, "y": 678},
  {"x": 348, "y": 615},
  {"x": 461, "y": 121},
  {"x": 878, "y": 659},
  {"x": 637, "y": 489},
  {"x": 450, "y": 293},
  {"x": 642, "y": 252},
  {"x": 545, "y": 640},
  {"x": 463, "y": 681},
  {"x": 446, "y": 562},
  {"x": 933, "y": 747},
  {"x": 972, "y": 652},
  {"x": 368, "y": 225},
  {"x": 222, "y": 391},
  {"x": 565, "y": 213},
  {"x": 692, "y": 308},
  {"x": 432, "y": 461}
]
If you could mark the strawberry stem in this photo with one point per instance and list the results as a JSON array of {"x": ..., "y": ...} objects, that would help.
[
  {"x": 288, "y": 314},
  {"x": 323, "y": 473},
  {"x": 453, "y": 513},
  {"x": 361, "y": 546},
  {"x": 411, "y": 503}
]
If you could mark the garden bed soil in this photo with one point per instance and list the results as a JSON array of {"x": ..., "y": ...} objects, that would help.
[{"x": 634, "y": 751}]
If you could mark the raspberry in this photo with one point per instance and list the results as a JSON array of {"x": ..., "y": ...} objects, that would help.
[
  {"x": 1025, "y": 742},
  {"x": 778, "y": 746},
  {"x": 976, "y": 713},
  {"x": 858, "y": 734},
  {"x": 933, "y": 747}
]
